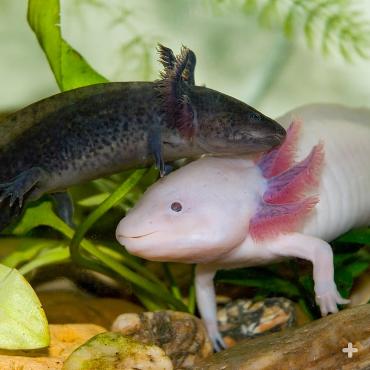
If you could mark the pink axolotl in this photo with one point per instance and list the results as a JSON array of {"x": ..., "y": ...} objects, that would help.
[{"x": 222, "y": 213}]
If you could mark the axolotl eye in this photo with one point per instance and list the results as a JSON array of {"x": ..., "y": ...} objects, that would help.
[
  {"x": 176, "y": 206},
  {"x": 253, "y": 116}
]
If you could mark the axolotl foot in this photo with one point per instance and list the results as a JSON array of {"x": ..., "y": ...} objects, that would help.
[
  {"x": 19, "y": 186},
  {"x": 320, "y": 254},
  {"x": 328, "y": 297},
  {"x": 217, "y": 340}
]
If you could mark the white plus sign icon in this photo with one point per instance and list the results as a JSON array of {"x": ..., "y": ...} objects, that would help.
[{"x": 350, "y": 350}]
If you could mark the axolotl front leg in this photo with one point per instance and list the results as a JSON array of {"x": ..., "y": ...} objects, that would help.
[
  {"x": 320, "y": 254},
  {"x": 290, "y": 245},
  {"x": 206, "y": 302}
]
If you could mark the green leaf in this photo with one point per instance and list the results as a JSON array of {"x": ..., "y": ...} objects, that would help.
[
  {"x": 328, "y": 21},
  {"x": 27, "y": 250},
  {"x": 23, "y": 324},
  {"x": 344, "y": 280},
  {"x": 258, "y": 278},
  {"x": 268, "y": 13},
  {"x": 357, "y": 236},
  {"x": 289, "y": 23},
  {"x": 47, "y": 257},
  {"x": 70, "y": 69},
  {"x": 357, "y": 268},
  {"x": 249, "y": 6},
  {"x": 94, "y": 200},
  {"x": 41, "y": 214}
]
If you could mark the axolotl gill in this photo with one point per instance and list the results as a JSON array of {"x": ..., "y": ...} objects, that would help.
[
  {"x": 95, "y": 131},
  {"x": 223, "y": 213}
]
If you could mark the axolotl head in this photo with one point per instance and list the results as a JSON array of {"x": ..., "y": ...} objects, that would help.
[
  {"x": 194, "y": 214},
  {"x": 226, "y": 125}
]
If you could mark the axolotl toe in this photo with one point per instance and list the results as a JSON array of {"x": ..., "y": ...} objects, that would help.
[{"x": 222, "y": 213}]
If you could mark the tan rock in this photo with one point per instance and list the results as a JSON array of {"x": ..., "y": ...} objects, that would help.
[
  {"x": 317, "y": 345},
  {"x": 63, "y": 340},
  {"x": 63, "y": 307},
  {"x": 182, "y": 336}
]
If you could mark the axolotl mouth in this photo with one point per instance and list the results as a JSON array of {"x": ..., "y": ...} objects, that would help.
[{"x": 121, "y": 236}]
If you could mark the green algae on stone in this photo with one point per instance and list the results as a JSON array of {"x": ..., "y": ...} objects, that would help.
[{"x": 109, "y": 351}]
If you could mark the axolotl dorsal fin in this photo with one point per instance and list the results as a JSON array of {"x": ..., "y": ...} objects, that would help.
[
  {"x": 176, "y": 78},
  {"x": 285, "y": 203}
]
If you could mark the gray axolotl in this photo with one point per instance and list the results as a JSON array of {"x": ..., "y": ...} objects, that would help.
[
  {"x": 95, "y": 131},
  {"x": 223, "y": 213}
]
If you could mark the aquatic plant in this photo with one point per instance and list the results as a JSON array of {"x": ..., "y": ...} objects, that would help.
[
  {"x": 329, "y": 25},
  {"x": 42, "y": 238}
]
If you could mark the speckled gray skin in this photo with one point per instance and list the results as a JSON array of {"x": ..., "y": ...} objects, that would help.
[
  {"x": 103, "y": 129},
  {"x": 106, "y": 129},
  {"x": 98, "y": 133}
]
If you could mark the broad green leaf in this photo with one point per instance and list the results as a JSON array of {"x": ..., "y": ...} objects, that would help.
[
  {"x": 40, "y": 214},
  {"x": 70, "y": 69},
  {"x": 48, "y": 257},
  {"x": 27, "y": 250},
  {"x": 23, "y": 324}
]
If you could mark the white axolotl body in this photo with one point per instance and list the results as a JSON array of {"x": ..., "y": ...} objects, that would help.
[{"x": 224, "y": 213}]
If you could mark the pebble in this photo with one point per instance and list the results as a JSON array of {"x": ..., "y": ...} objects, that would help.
[
  {"x": 110, "y": 351},
  {"x": 243, "y": 318},
  {"x": 182, "y": 336}
]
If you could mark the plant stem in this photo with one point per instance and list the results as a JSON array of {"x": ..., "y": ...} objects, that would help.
[
  {"x": 110, "y": 202},
  {"x": 174, "y": 287},
  {"x": 272, "y": 70},
  {"x": 77, "y": 239}
]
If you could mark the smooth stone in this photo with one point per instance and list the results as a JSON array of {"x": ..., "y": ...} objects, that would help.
[
  {"x": 64, "y": 339},
  {"x": 317, "y": 345},
  {"x": 182, "y": 336},
  {"x": 62, "y": 307},
  {"x": 243, "y": 318},
  {"x": 110, "y": 351}
]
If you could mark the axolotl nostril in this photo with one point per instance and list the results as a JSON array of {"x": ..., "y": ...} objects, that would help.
[
  {"x": 98, "y": 130},
  {"x": 223, "y": 213}
]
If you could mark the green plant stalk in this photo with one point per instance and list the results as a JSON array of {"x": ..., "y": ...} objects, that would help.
[
  {"x": 272, "y": 70},
  {"x": 123, "y": 272},
  {"x": 110, "y": 202},
  {"x": 303, "y": 304},
  {"x": 54, "y": 255},
  {"x": 192, "y": 299},
  {"x": 174, "y": 287},
  {"x": 19, "y": 256},
  {"x": 152, "y": 288},
  {"x": 77, "y": 239},
  {"x": 132, "y": 263},
  {"x": 148, "y": 302}
]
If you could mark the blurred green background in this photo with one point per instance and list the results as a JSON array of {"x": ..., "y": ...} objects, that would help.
[{"x": 236, "y": 55}]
